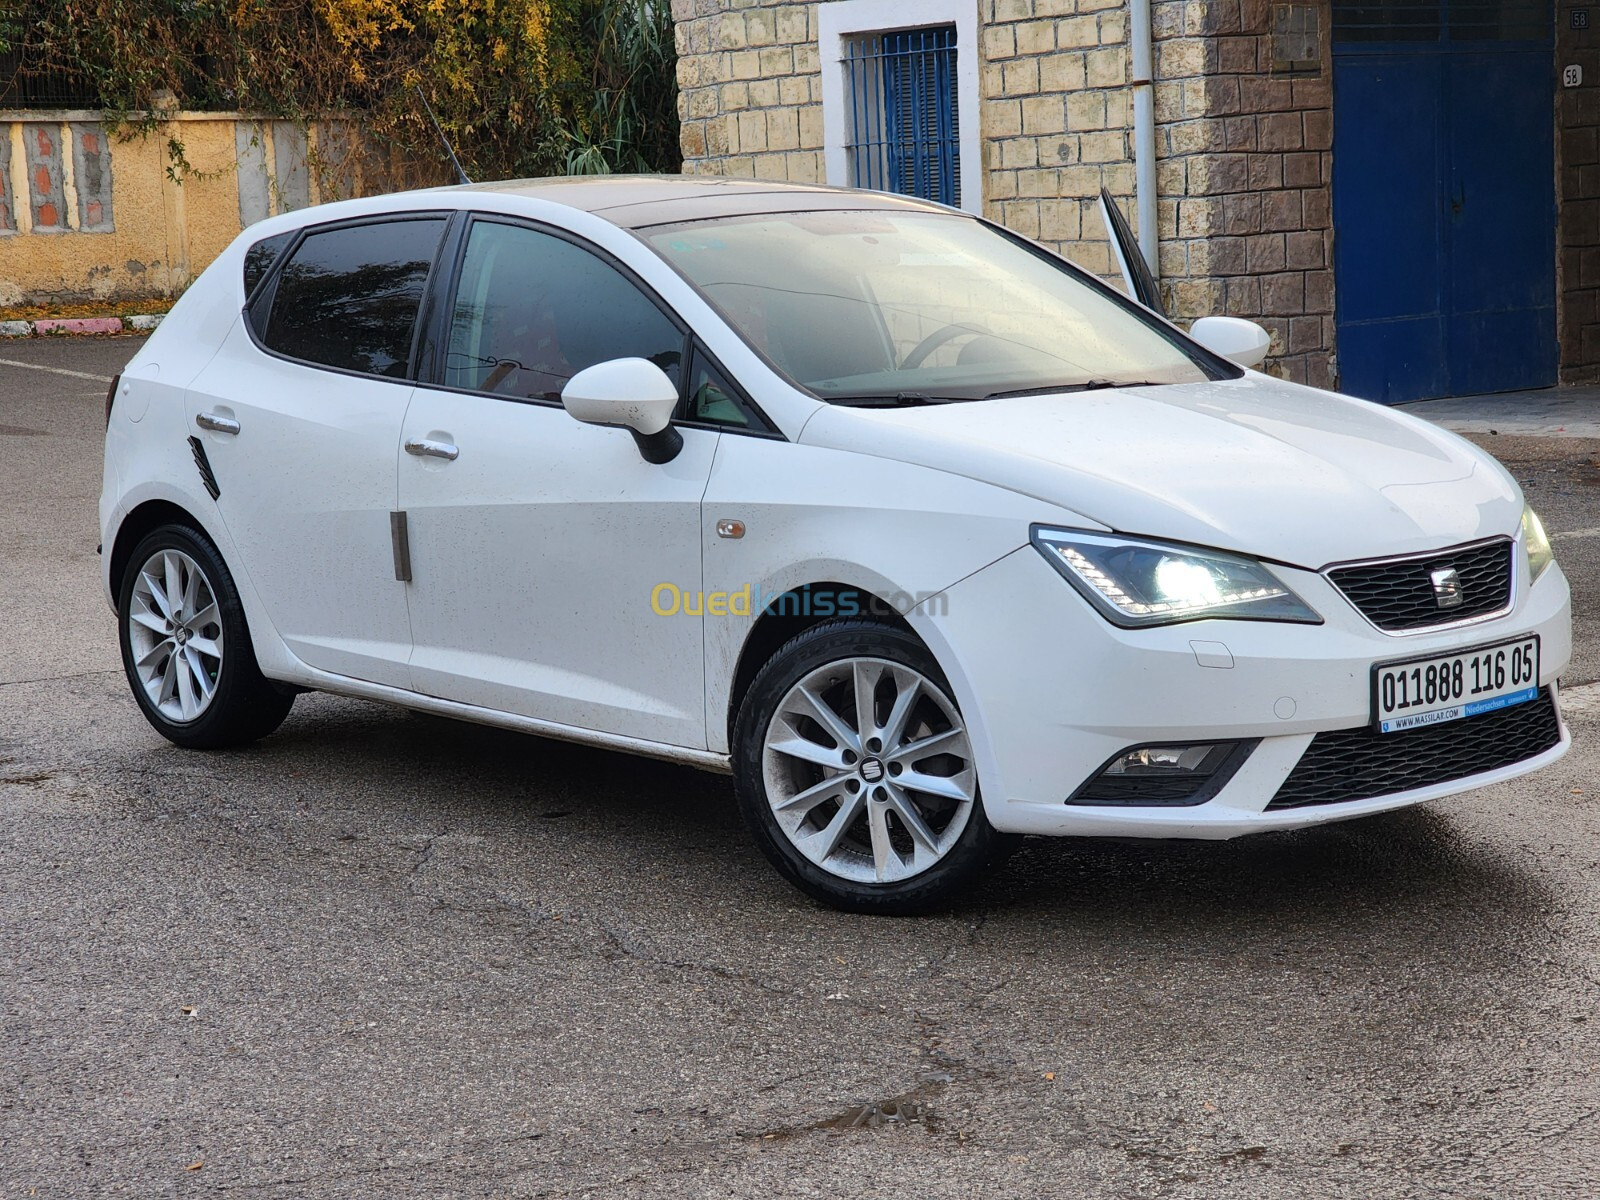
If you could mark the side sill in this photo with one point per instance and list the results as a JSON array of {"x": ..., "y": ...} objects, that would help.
[{"x": 341, "y": 685}]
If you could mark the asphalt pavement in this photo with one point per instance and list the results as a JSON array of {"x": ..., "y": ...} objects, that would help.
[{"x": 381, "y": 954}]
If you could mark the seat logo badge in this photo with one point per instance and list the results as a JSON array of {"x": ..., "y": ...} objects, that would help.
[
  {"x": 871, "y": 770},
  {"x": 1447, "y": 587}
]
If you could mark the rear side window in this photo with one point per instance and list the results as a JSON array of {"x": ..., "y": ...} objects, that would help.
[
  {"x": 348, "y": 297},
  {"x": 259, "y": 258}
]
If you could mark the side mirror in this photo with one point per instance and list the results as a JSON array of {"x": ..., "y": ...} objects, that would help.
[
  {"x": 1236, "y": 339},
  {"x": 632, "y": 394}
]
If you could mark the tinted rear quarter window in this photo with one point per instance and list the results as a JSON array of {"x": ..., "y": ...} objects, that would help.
[
  {"x": 348, "y": 297},
  {"x": 259, "y": 258}
]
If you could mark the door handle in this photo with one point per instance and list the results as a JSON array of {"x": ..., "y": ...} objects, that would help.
[
  {"x": 427, "y": 447},
  {"x": 216, "y": 424}
]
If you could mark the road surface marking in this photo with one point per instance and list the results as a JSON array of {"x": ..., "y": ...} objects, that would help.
[{"x": 11, "y": 362}]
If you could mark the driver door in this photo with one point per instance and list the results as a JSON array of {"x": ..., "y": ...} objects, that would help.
[{"x": 537, "y": 542}]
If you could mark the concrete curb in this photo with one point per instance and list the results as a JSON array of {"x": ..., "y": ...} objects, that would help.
[{"x": 79, "y": 326}]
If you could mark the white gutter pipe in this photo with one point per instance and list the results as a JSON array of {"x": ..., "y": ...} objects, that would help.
[{"x": 1144, "y": 133}]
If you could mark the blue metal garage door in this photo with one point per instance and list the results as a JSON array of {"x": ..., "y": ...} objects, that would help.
[{"x": 1444, "y": 197}]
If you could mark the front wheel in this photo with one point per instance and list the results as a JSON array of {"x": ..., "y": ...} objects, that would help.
[
  {"x": 186, "y": 648},
  {"x": 855, "y": 773}
]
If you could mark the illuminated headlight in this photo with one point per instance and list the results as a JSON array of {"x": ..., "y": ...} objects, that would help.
[
  {"x": 1137, "y": 583},
  {"x": 1540, "y": 556}
]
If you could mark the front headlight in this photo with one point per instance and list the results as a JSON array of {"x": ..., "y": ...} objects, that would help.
[
  {"x": 1138, "y": 583},
  {"x": 1540, "y": 556}
]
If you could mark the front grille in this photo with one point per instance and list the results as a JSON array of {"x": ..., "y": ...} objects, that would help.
[
  {"x": 1360, "y": 764},
  {"x": 1398, "y": 596}
]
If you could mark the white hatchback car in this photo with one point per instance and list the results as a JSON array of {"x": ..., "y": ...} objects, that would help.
[{"x": 927, "y": 536}]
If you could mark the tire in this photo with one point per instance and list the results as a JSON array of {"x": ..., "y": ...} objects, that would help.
[
  {"x": 189, "y": 660},
  {"x": 838, "y": 804}
]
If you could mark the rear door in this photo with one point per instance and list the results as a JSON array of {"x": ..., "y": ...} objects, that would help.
[{"x": 300, "y": 416}]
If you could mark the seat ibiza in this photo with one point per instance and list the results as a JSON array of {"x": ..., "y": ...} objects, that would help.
[{"x": 928, "y": 537}]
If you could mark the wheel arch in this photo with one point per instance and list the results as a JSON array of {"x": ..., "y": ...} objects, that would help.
[
  {"x": 141, "y": 520},
  {"x": 790, "y": 614}
]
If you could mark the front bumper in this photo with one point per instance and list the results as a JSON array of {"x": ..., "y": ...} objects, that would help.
[{"x": 1052, "y": 691}]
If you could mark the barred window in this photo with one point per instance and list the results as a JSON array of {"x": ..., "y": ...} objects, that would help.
[{"x": 903, "y": 129}]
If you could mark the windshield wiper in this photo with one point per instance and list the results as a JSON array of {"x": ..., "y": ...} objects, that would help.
[
  {"x": 895, "y": 400},
  {"x": 1088, "y": 385}
]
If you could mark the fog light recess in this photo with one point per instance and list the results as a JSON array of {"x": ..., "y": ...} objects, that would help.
[{"x": 1164, "y": 774}]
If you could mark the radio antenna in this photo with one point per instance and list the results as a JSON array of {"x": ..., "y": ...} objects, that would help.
[{"x": 454, "y": 161}]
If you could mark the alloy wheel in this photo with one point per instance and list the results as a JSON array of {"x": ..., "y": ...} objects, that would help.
[
  {"x": 869, "y": 771},
  {"x": 174, "y": 628}
]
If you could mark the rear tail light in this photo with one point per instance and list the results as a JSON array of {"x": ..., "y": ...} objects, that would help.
[{"x": 111, "y": 396}]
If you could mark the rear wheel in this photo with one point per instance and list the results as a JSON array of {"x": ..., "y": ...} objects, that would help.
[
  {"x": 186, "y": 649},
  {"x": 856, "y": 775}
]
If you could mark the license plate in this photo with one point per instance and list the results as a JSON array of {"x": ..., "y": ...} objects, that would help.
[{"x": 1448, "y": 687}]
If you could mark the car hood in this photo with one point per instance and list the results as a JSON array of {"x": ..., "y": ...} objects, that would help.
[{"x": 1254, "y": 464}]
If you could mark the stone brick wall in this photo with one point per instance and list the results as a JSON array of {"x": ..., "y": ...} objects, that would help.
[
  {"x": 1253, "y": 235},
  {"x": 1243, "y": 159},
  {"x": 750, "y": 89},
  {"x": 1578, "y": 231}
]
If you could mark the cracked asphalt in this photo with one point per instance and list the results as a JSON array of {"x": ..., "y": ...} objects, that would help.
[{"x": 386, "y": 954}]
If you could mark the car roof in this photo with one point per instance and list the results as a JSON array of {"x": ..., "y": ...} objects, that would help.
[{"x": 636, "y": 201}]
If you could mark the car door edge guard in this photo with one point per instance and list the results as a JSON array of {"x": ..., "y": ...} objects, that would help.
[{"x": 400, "y": 539}]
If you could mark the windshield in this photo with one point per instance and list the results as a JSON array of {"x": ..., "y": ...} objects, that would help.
[{"x": 892, "y": 307}]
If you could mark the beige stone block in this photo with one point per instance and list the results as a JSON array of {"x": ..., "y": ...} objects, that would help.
[
  {"x": 1093, "y": 255},
  {"x": 1013, "y": 10},
  {"x": 1191, "y": 137},
  {"x": 1107, "y": 68},
  {"x": 772, "y": 166},
  {"x": 1169, "y": 102},
  {"x": 803, "y": 166},
  {"x": 760, "y": 29},
  {"x": 1086, "y": 110},
  {"x": 1194, "y": 18},
  {"x": 807, "y": 59},
  {"x": 1119, "y": 109},
  {"x": 730, "y": 34},
  {"x": 1002, "y": 118},
  {"x": 796, "y": 89},
  {"x": 783, "y": 129},
  {"x": 1020, "y": 77},
  {"x": 1111, "y": 146},
  {"x": 702, "y": 102},
  {"x": 717, "y": 136},
  {"x": 1118, "y": 178},
  {"x": 1054, "y": 8},
  {"x": 742, "y": 166},
  {"x": 735, "y": 96},
  {"x": 1080, "y": 181},
  {"x": 811, "y": 127},
  {"x": 764, "y": 93},
  {"x": 1060, "y": 220},
  {"x": 1172, "y": 176},
  {"x": 1043, "y": 115},
  {"x": 777, "y": 60},
  {"x": 1062, "y": 72},
  {"x": 999, "y": 42},
  {"x": 1078, "y": 33},
  {"x": 1180, "y": 57},
  {"x": 1021, "y": 216},
  {"x": 1166, "y": 218},
  {"x": 752, "y": 132},
  {"x": 1196, "y": 217},
  {"x": 1085, "y": 6},
  {"x": 793, "y": 25},
  {"x": 1002, "y": 185},
  {"x": 1035, "y": 37},
  {"x": 1016, "y": 153},
  {"x": 1113, "y": 28},
  {"x": 692, "y": 139},
  {"x": 744, "y": 64},
  {"x": 992, "y": 80},
  {"x": 1039, "y": 182}
]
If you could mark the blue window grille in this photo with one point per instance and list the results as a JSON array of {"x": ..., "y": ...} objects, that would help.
[{"x": 905, "y": 135}]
